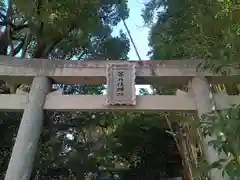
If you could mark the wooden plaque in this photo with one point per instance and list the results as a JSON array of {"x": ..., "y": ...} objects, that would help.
[{"x": 121, "y": 84}]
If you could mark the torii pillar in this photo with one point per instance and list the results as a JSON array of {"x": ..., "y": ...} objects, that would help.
[
  {"x": 200, "y": 91},
  {"x": 25, "y": 147}
]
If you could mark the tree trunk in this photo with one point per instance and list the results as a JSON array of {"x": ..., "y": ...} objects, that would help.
[
  {"x": 3, "y": 42},
  {"x": 40, "y": 50},
  {"x": 5, "y": 37}
]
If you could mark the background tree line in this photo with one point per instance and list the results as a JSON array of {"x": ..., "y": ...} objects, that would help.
[{"x": 131, "y": 145}]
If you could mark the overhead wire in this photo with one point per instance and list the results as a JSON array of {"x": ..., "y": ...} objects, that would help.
[
  {"x": 129, "y": 33},
  {"x": 131, "y": 39}
]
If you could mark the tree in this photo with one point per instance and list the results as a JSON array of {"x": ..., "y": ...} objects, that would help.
[
  {"x": 207, "y": 30},
  {"x": 79, "y": 30},
  {"x": 150, "y": 151},
  {"x": 66, "y": 30},
  {"x": 194, "y": 29}
]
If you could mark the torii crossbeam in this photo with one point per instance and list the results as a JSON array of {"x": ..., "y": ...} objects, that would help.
[{"x": 44, "y": 73}]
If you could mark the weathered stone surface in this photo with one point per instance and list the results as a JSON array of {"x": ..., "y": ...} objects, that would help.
[
  {"x": 94, "y": 72},
  {"x": 25, "y": 147},
  {"x": 121, "y": 84}
]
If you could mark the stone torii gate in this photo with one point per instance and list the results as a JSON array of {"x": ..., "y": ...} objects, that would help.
[{"x": 121, "y": 78}]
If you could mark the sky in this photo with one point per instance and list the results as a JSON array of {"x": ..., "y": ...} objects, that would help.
[
  {"x": 138, "y": 31},
  {"x": 136, "y": 26}
]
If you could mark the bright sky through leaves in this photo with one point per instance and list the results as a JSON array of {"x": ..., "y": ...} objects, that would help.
[{"x": 138, "y": 31}]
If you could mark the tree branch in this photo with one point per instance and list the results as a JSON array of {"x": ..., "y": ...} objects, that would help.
[
  {"x": 82, "y": 54},
  {"x": 18, "y": 48},
  {"x": 28, "y": 38},
  {"x": 49, "y": 49},
  {"x": 39, "y": 4},
  {"x": 19, "y": 27}
]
